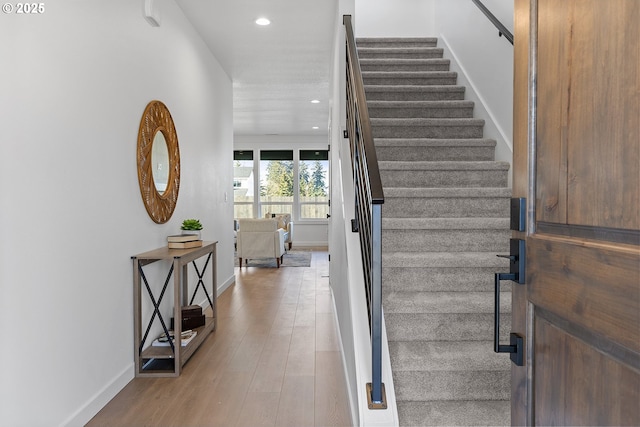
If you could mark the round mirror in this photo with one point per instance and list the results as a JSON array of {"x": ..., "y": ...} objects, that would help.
[
  {"x": 158, "y": 159},
  {"x": 160, "y": 162}
]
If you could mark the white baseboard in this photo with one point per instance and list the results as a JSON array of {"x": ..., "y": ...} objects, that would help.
[
  {"x": 309, "y": 244},
  {"x": 353, "y": 400},
  {"x": 230, "y": 281},
  {"x": 83, "y": 415}
]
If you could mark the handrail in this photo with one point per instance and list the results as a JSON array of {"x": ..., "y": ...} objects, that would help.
[
  {"x": 369, "y": 197},
  {"x": 502, "y": 30}
]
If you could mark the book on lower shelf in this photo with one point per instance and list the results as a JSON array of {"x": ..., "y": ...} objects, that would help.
[
  {"x": 163, "y": 341},
  {"x": 185, "y": 245}
]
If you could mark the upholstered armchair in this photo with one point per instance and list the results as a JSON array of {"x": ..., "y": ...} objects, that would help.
[
  {"x": 284, "y": 222},
  {"x": 260, "y": 238}
]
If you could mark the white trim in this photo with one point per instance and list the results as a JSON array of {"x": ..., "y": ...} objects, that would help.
[
  {"x": 230, "y": 281},
  {"x": 308, "y": 244},
  {"x": 352, "y": 400},
  {"x": 84, "y": 414}
]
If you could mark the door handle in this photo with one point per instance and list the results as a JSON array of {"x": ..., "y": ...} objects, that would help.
[{"x": 516, "y": 274}]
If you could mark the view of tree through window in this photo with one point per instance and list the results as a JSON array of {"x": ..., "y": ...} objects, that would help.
[
  {"x": 276, "y": 181},
  {"x": 284, "y": 183},
  {"x": 313, "y": 172}
]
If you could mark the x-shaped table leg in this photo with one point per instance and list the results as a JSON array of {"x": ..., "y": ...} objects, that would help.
[
  {"x": 201, "y": 282},
  {"x": 156, "y": 308}
]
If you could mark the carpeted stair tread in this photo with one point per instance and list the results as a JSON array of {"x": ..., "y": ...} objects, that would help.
[
  {"x": 443, "y": 259},
  {"x": 444, "y": 302},
  {"x": 457, "y": 413},
  {"x": 419, "y": 356}
]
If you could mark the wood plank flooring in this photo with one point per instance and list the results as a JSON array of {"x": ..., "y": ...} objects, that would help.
[{"x": 273, "y": 361}]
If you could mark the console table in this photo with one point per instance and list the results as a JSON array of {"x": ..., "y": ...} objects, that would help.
[{"x": 167, "y": 361}]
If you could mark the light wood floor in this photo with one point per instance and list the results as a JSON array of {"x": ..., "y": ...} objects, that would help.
[{"x": 273, "y": 361}]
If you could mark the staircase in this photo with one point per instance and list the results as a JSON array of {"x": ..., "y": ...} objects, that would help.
[{"x": 445, "y": 217}]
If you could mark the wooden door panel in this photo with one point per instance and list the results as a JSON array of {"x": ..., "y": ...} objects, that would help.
[
  {"x": 594, "y": 389},
  {"x": 603, "y": 120},
  {"x": 592, "y": 285},
  {"x": 553, "y": 63},
  {"x": 589, "y": 126}
]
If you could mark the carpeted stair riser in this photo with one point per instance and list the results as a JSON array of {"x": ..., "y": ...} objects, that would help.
[
  {"x": 414, "y": 93},
  {"x": 434, "y": 153},
  {"x": 399, "y": 53},
  {"x": 430, "y": 64},
  {"x": 427, "y": 386},
  {"x": 443, "y": 178},
  {"x": 454, "y": 413},
  {"x": 420, "y": 109},
  {"x": 445, "y": 234},
  {"x": 442, "y": 302},
  {"x": 391, "y": 42},
  {"x": 442, "y": 207},
  {"x": 440, "y": 279},
  {"x": 446, "y": 240},
  {"x": 444, "y": 326},
  {"x": 409, "y": 78},
  {"x": 427, "y": 128},
  {"x": 444, "y": 356}
]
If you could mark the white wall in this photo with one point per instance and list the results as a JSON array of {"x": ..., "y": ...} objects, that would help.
[
  {"x": 305, "y": 232},
  {"x": 397, "y": 18},
  {"x": 74, "y": 83},
  {"x": 484, "y": 63}
]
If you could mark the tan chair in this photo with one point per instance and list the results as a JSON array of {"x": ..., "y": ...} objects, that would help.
[
  {"x": 259, "y": 239},
  {"x": 284, "y": 222}
]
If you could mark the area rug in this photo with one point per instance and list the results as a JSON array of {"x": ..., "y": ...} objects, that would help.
[{"x": 290, "y": 259}]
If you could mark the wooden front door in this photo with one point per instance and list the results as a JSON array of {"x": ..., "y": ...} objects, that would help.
[{"x": 577, "y": 161}]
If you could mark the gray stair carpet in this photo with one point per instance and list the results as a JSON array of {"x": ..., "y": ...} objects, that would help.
[{"x": 445, "y": 218}]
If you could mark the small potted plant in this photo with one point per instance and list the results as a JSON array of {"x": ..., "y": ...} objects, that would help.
[{"x": 191, "y": 226}]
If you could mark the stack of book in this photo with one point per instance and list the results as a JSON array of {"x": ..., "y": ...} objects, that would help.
[
  {"x": 163, "y": 340},
  {"x": 184, "y": 241}
]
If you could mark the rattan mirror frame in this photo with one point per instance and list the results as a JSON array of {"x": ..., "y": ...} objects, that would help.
[{"x": 157, "y": 118}]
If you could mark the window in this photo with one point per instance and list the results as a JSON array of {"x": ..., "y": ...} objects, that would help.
[
  {"x": 276, "y": 181},
  {"x": 282, "y": 181},
  {"x": 243, "y": 184},
  {"x": 313, "y": 172}
]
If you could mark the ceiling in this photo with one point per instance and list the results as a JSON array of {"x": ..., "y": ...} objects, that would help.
[{"x": 276, "y": 69}]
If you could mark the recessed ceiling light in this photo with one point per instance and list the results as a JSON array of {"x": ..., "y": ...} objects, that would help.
[
  {"x": 315, "y": 101},
  {"x": 263, "y": 21},
  {"x": 316, "y": 127}
]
